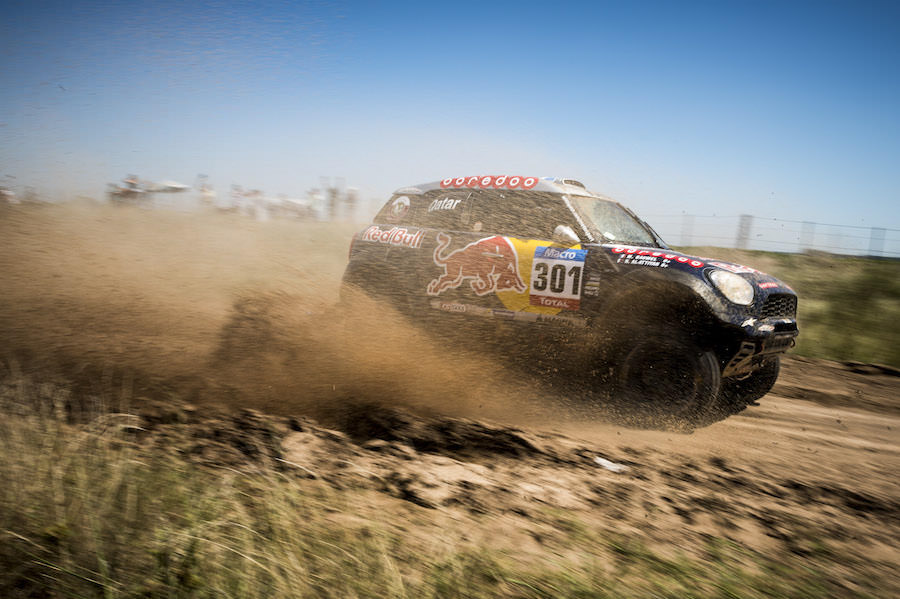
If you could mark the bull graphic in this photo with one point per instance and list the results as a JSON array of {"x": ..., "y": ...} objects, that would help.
[{"x": 490, "y": 264}]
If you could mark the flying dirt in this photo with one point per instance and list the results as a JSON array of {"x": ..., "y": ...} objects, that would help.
[{"x": 230, "y": 328}]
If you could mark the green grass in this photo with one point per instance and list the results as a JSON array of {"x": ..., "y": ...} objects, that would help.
[{"x": 849, "y": 307}]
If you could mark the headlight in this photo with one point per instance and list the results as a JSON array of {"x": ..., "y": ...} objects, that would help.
[{"x": 735, "y": 287}]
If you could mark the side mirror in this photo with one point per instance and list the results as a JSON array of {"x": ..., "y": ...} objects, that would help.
[{"x": 564, "y": 235}]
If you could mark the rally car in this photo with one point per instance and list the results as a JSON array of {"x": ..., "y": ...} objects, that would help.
[{"x": 678, "y": 336}]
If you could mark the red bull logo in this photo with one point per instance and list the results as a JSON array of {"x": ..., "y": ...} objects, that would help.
[
  {"x": 489, "y": 264},
  {"x": 394, "y": 236}
]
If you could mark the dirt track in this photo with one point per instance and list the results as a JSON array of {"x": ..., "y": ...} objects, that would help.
[{"x": 227, "y": 314}]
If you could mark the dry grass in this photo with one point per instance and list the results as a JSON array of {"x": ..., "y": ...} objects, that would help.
[{"x": 87, "y": 512}]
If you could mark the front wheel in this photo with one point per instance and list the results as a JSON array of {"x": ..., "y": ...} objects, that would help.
[
  {"x": 737, "y": 394},
  {"x": 664, "y": 379}
]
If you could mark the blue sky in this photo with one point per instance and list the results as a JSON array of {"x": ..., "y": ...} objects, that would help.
[{"x": 780, "y": 109}]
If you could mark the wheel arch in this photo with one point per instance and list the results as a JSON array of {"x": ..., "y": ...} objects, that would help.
[{"x": 664, "y": 301}]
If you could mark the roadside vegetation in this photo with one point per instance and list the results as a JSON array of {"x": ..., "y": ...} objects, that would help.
[
  {"x": 849, "y": 307},
  {"x": 88, "y": 511}
]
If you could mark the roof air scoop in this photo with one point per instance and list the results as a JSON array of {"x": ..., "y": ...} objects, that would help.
[{"x": 573, "y": 183}]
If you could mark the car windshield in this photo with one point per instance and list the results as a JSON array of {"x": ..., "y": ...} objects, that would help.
[{"x": 614, "y": 223}]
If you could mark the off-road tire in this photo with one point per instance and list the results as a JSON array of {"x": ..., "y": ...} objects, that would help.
[{"x": 663, "y": 379}]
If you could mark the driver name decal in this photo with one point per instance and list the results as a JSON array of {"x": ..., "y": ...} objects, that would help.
[{"x": 639, "y": 257}]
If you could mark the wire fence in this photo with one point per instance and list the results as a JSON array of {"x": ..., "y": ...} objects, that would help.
[{"x": 751, "y": 232}]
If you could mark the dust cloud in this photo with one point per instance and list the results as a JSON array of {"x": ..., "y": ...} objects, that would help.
[{"x": 226, "y": 312}]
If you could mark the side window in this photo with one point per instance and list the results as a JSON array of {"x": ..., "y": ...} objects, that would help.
[
  {"x": 399, "y": 210},
  {"x": 446, "y": 210},
  {"x": 525, "y": 215}
]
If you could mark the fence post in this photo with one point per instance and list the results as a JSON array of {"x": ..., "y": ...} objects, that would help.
[
  {"x": 743, "y": 232},
  {"x": 835, "y": 239},
  {"x": 807, "y": 236},
  {"x": 876, "y": 241}
]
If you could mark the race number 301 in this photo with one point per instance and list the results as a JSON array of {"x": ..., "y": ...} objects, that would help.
[{"x": 556, "y": 275}]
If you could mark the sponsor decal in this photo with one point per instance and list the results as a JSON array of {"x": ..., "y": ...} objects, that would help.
[
  {"x": 531, "y": 317},
  {"x": 592, "y": 286},
  {"x": 450, "y": 307},
  {"x": 458, "y": 308},
  {"x": 735, "y": 268},
  {"x": 556, "y": 277},
  {"x": 505, "y": 265},
  {"x": 489, "y": 265},
  {"x": 562, "y": 319},
  {"x": 492, "y": 181},
  {"x": 654, "y": 258},
  {"x": 394, "y": 236},
  {"x": 769, "y": 285},
  {"x": 444, "y": 204},
  {"x": 399, "y": 208},
  {"x": 554, "y": 302}
]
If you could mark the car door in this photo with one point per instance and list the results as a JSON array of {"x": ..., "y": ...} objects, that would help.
[{"x": 502, "y": 261}]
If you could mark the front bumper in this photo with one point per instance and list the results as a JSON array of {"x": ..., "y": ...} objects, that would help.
[{"x": 759, "y": 340}]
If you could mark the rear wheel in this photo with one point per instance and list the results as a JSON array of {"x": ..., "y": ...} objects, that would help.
[{"x": 665, "y": 379}]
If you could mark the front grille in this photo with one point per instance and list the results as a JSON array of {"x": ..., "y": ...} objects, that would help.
[{"x": 779, "y": 305}]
